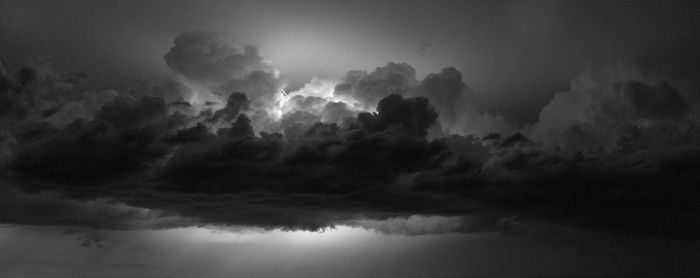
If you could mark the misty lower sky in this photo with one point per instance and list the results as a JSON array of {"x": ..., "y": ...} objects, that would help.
[
  {"x": 341, "y": 252},
  {"x": 349, "y": 138}
]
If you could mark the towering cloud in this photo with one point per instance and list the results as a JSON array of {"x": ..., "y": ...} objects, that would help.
[
  {"x": 215, "y": 67},
  {"x": 454, "y": 102},
  {"x": 447, "y": 92},
  {"x": 226, "y": 134},
  {"x": 610, "y": 108},
  {"x": 207, "y": 57}
]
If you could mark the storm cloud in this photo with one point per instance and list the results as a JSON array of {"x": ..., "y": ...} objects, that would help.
[
  {"x": 620, "y": 108},
  {"x": 222, "y": 142},
  {"x": 207, "y": 57}
]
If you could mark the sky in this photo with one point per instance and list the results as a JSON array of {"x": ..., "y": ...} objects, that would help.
[
  {"x": 515, "y": 54},
  {"x": 343, "y": 252},
  {"x": 346, "y": 139}
]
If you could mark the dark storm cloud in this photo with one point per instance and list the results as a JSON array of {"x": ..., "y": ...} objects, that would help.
[
  {"x": 624, "y": 108},
  {"x": 454, "y": 101},
  {"x": 448, "y": 92},
  {"x": 449, "y": 95},
  {"x": 169, "y": 89},
  {"x": 211, "y": 60},
  {"x": 122, "y": 137},
  {"x": 414, "y": 115},
  {"x": 422, "y": 225},
  {"x": 236, "y": 103},
  {"x": 37, "y": 104},
  {"x": 296, "y": 123},
  {"x": 54, "y": 209},
  {"x": 619, "y": 141},
  {"x": 196, "y": 133},
  {"x": 202, "y": 56},
  {"x": 623, "y": 137},
  {"x": 660, "y": 101},
  {"x": 84, "y": 135},
  {"x": 128, "y": 112},
  {"x": 369, "y": 88},
  {"x": 336, "y": 112},
  {"x": 317, "y": 158},
  {"x": 36, "y": 92}
]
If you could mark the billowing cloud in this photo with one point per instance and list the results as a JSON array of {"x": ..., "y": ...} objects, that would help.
[
  {"x": 414, "y": 115},
  {"x": 222, "y": 142},
  {"x": 660, "y": 101},
  {"x": 454, "y": 102},
  {"x": 447, "y": 92},
  {"x": 616, "y": 108},
  {"x": 123, "y": 137},
  {"x": 235, "y": 104},
  {"x": 207, "y": 57},
  {"x": 309, "y": 155},
  {"x": 215, "y": 67},
  {"x": 369, "y": 88},
  {"x": 336, "y": 112}
]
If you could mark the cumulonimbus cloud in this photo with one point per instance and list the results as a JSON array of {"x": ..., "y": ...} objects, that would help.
[
  {"x": 619, "y": 108},
  {"x": 223, "y": 129}
]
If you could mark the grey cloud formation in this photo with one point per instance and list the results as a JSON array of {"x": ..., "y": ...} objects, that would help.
[
  {"x": 454, "y": 101},
  {"x": 235, "y": 104},
  {"x": 414, "y": 115},
  {"x": 54, "y": 209},
  {"x": 217, "y": 67},
  {"x": 369, "y": 88},
  {"x": 207, "y": 57},
  {"x": 391, "y": 140},
  {"x": 123, "y": 136},
  {"x": 336, "y": 112},
  {"x": 431, "y": 224},
  {"x": 621, "y": 108},
  {"x": 447, "y": 92},
  {"x": 660, "y": 101},
  {"x": 37, "y": 92},
  {"x": 620, "y": 140}
]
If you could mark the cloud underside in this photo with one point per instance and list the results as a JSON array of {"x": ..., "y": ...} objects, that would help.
[{"x": 221, "y": 143}]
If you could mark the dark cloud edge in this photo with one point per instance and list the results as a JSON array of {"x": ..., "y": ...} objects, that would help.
[{"x": 640, "y": 190}]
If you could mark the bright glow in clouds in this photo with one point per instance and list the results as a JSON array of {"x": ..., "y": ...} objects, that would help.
[
  {"x": 319, "y": 88},
  {"x": 311, "y": 98},
  {"x": 214, "y": 68}
]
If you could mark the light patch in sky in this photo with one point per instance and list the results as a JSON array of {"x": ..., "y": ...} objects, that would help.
[{"x": 344, "y": 251}]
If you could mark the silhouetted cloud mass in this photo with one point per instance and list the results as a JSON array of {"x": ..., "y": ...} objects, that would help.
[{"x": 221, "y": 142}]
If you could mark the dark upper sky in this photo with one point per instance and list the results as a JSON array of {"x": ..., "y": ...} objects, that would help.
[{"x": 515, "y": 54}]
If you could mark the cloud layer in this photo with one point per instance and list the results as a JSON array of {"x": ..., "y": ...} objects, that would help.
[{"x": 223, "y": 142}]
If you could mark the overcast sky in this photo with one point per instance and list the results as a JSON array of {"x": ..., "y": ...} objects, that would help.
[{"x": 515, "y": 54}]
